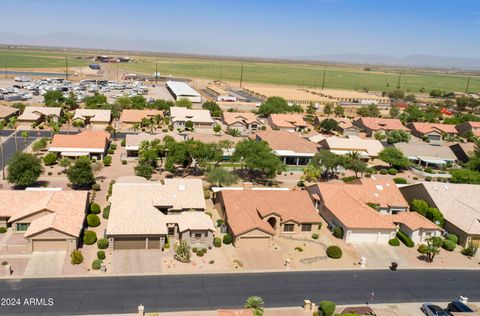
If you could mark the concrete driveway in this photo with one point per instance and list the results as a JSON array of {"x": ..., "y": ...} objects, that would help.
[
  {"x": 381, "y": 256},
  {"x": 137, "y": 261},
  {"x": 45, "y": 263}
]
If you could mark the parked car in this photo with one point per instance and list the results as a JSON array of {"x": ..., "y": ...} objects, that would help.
[
  {"x": 430, "y": 309},
  {"x": 459, "y": 307}
]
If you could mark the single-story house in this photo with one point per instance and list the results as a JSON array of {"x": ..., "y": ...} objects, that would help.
[
  {"x": 254, "y": 217},
  {"x": 345, "y": 125},
  {"x": 39, "y": 114},
  {"x": 131, "y": 116},
  {"x": 292, "y": 149},
  {"x": 200, "y": 118},
  {"x": 425, "y": 154},
  {"x": 360, "y": 208},
  {"x": 368, "y": 148},
  {"x": 415, "y": 226},
  {"x": 245, "y": 122},
  {"x": 433, "y": 131},
  {"x": 7, "y": 112},
  {"x": 463, "y": 151},
  {"x": 144, "y": 214},
  {"x": 371, "y": 125},
  {"x": 94, "y": 118},
  {"x": 209, "y": 138},
  {"x": 86, "y": 143},
  {"x": 459, "y": 204},
  {"x": 133, "y": 141},
  {"x": 50, "y": 220},
  {"x": 473, "y": 127},
  {"x": 287, "y": 122}
]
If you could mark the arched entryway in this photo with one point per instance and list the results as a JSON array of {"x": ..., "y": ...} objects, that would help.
[{"x": 273, "y": 222}]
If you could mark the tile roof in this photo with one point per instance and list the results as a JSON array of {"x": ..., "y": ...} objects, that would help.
[
  {"x": 287, "y": 120},
  {"x": 85, "y": 139},
  {"x": 284, "y": 140},
  {"x": 136, "y": 116},
  {"x": 246, "y": 209},
  {"x": 6, "y": 111},
  {"x": 371, "y": 147},
  {"x": 101, "y": 116},
  {"x": 425, "y": 128},
  {"x": 35, "y": 112},
  {"x": 385, "y": 124},
  {"x": 425, "y": 151},
  {"x": 67, "y": 209},
  {"x": 230, "y": 118},
  {"x": 412, "y": 220},
  {"x": 183, "y": 114}
]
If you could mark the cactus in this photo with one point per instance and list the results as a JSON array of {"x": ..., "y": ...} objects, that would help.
[{"x": 182, "y": 252}]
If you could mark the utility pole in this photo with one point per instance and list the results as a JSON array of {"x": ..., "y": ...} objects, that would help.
[
  {"x": 3, "y": 158},
  {"x": 117, "y": 71},
  {"x": 399, "y": 78},
  {"x": 156, "y": 71},
  {"x": 66, "y": 67},
  {"x": 241, "y": 76},
  {"x": 323, "y": 80},
  {"x": 221, "y": 72},
  {"x": 468, "y": 84}
]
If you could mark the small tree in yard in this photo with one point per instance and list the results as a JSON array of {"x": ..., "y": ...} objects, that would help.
[
  {"x": 50, "y": 159},
  {"x": 431, "y": 250},
  {"x": 81, "y": 174},
  {"x": 93, "y": 220},
  {"x": 65, "y": 163},
  {"x": 89, "y": 237},
  {"x": 394, "y": 158},
  {"x": 221, "y": 176},
  {"x": 76, "y": 257},
  {"x": 182, "y": 252},
  {"x": 144, "y": 170},
  {"x": 24, "y": 169},
  {"x": 189, "y": 125},
  {"x": 102, "y": 243},
  {"x": 471, "y": 249},
  {"x": 255, "y": 304}
]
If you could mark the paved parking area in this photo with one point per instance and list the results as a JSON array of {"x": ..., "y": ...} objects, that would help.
[
  {"x": 381, "y": 256},
  {"x": 45, "y": 263}
]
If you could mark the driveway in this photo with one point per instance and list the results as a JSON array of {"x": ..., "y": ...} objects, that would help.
[
  {"x": 137, "y": 261},
  {"x": 381, "y": 256},
  {"x": 45, "y": 263}
]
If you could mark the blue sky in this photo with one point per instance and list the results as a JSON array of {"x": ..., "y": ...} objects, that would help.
[{"x": 263, "y": 28}]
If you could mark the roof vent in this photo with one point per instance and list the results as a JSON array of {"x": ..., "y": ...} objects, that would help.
[
  {"x": 181, "y": 187},
  {"x": 376, "y": 194},
  {"x": 379, "y": 187}
]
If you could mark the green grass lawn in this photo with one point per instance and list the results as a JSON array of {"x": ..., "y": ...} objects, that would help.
[{"x": 302, "y": 75}]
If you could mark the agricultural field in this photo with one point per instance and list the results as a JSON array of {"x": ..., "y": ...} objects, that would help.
[{"x": 295, "y": 74}]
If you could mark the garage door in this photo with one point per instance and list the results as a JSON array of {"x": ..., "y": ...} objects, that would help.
[
  {"x": 129, "y": 243},
  {"x": 253, "y": 242},
  {"x": 49, "y": 245},
  {"x": 373, "y": 237},
  {"x": 154, "y": 243}
]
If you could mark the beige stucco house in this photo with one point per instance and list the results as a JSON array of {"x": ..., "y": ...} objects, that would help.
[{"x": 95, "y": 119}]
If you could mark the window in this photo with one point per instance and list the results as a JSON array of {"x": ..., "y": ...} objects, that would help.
[
  {"x": 196, "y": 235},
  {"x": 288, "y": 227},
  {"x": 21, "y": 227},
  {"x": 306, "y": 227}
]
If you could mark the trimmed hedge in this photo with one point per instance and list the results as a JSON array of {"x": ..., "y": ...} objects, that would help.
[
  {"x": 107, "y": 161},
  {"x": 101, "y": 255},
  {"x": 334, "y": 252},
  {"x": 93, "y": 220},
  {"x": 394, "y": 242},
  {"x": 3, "y": 230},
  {"x": 327, "y": 308},
  {"x": 338, "y": 232},
  {"x": 76, "y": 257},
  {"x": 436, "y": 241},
  {"x": 106, "y": 212},
  {"x": 452, "y": 237},
  {"x": 392, "y": 171},
  {"x": 405, "y": 239},
  {"x": 400, "y": 180},
  {"x": 50, "y": 159},
  {"x": 383, "y": 171},
  {"x": 97, "y": 264},
  {"x": 94, "y": 208},
  {"x": 448, "y": 245},
  {"x": 102, "y": 243},
  {"x": 227, "y": 239},
  {"x": 217, "y": 242},
  {"x": 89, "y": 237},
  {"x": 422, "y": 249},
  {"x": 314, "y": 236}
]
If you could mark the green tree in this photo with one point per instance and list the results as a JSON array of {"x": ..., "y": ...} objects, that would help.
[
  {"x": 80, "y": 174},
  {"x": 370, "y": 110},
  {"x": 213, "y": 107},
  {"x": 311, "y": 109},
  {"x": 217, "y": 128},
  {"x": 396, "y": 94},
  {"x": 53, "y": 98},
  {"x": 394, "y": 158},
  {"x": 410, "y": 98},
  {"x": 144, "y": 170},
  {"x": 379, "y": 135},
  {"x": 221, "y": 177},
  {"x": 394, "y": 112},
  {"x": 184, "y": 102},
  {"x": 277, "y": 105},
  {"x": 354, "y": 162},
  {"x": 162, "y": 105},
  {"x": 65, "y": 163},
  {"x": 149, "y": 152},
  {"x": 258, "y": 158},
  {"x": 419, "y": 206},
  {"x": 339, "y": 111},
  {"x": 188, "y": 152},
  {"x": 398, "y": 137},
  {"x": 255, "y": 304},
  {"x": 97, "y": 101},
  {"x": 138, "y": 102},
  {"x": 189, "y": 125},
  {"x": 328, "y": 162},
  {"x": 431, "y": 250},
  {"x": 24, "y": 169},
  {"x": 328, "y": 125},
  {"x": 464, "y": 175},
  {"x": 123, "y": 102},
  {"x": 328, "y": 109},
  {"x": 40, "y": 144},
  {"x": 436, "y": 93},
  {"x": 25, "y": 138},
  {"x": 50, "y": 159},
  {"x": 311, "y": 173}
]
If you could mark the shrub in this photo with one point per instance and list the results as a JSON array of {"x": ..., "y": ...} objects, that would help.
[
  {"x": 383, "y": 171},
  {"x": 76, "y": 257},
  {"x": 471, "y": 249},
  {"x": 102, "y": 243},
  {"x": 93, "y": 220},
  {"x": 50, "y": 159},
  {"x": 96, "y": 187},
  {"x": 217, "y": 242},
  {"x": 113, "y": 146},
  {"x": 338, "y": 232},
  {"x": 334, "y": 252},
  {"x": 3, "y": 230},
  {"x": 299, "y": 249},
  {"x": 194, "y": 249},
  {"x": 97, "y": 264},
  {"x": 106, "y": 212},
  {"x": 111, "y": 151},
  {"x": 448, "y": 245},
  {"x": 227, "y": 239},
  {"x": 206, "y": 194},
  {"x": 124, "y": 162},
  {"x": 167, "y": 243},
  {"x": 94, "y": 208},
  {"x": 123, "y": 142},
  {"x": 89, "y": 237},
  {"x": 405, "y": 239},
  {"x": 436, "y": 241},
  {"x": 428, "y": 170},
  {"x": 399, "y": 180},
  {"x": 452, "y": 237},
  {"x": 219, "y": 222},
  {"x": 435, "y": 216},
  {"x": 200, "y": 253},
  {"x": 349, "y": 179},
  {"x": 428, "y": 178},
  {"x": 314, "y": 236},
  {"x": 394, "y": 242},
  {"x": 392, "y": 171},
  {"x": 419, "y": 206},
  {"x": 422, "y": 249},
  {"x": 327, "y": 308},
  {"x": 101, "y": 255},
  {"x": 107, "y": 161}
]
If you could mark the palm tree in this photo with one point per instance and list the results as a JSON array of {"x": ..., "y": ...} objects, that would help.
[
  {"x": 135, "y": 126},
  {"x": 255, "y": 304},
  {"x": 25, "y": 138}
]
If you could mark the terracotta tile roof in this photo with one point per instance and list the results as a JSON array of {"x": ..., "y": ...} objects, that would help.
[
  {"x": 385, "y": 124},
  {"x": 67, "y": 209},
  {"x": 412, "y": 220},
  {"x": 234, "y": 312},
  {"x": 85, "y": 139},
  {"x": 284, "y": 140},
  {"x": 6, "y": 111},
  {"x": 287, "y": 120},
  {"x": 230, "y": 118},
  {"x": 425, "y": 151},
  {"x": 247, "y": 209},
  {"x": 425, "y": 128},
  {"x": 136, "y": 116}
]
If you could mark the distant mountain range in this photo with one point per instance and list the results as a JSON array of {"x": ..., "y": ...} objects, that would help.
[{"x": 72, "y": 40}]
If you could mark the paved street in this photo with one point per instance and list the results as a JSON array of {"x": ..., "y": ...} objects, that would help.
[{"x": 200, "y": 292}]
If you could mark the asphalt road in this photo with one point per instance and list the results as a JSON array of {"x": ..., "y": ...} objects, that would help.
[{"x": 112, "y": 295}]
